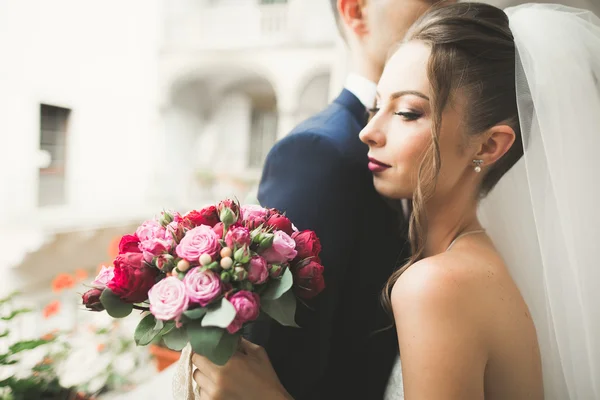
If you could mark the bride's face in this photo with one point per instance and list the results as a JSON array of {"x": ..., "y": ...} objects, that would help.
[{"x": 399, "y": 133}]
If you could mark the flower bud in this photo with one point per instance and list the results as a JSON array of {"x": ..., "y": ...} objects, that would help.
[
  {"x": 267, "y": 241},
  {"x": 225, "y": 277},
  {"x": 183, "y": 265},
  {"x": 226, "y": 262},
  {"x": 226, "y": 252},
  {"x": 214, "y": 266},
  {"x": 165, "y": 218},
  {"x": 205, "y": 259},
  {"x": 276, "y": 271},
  {"x": 246, "y": 285},
  {"x": 227, "y": 216},
  {"x": 242, "y": 255},
  {"x": 91, "y": 299},
  {"x": 240, "y": 274}
]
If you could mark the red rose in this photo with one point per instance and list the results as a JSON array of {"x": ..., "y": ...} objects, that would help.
[
  {"x": 133, "y": 278},
  {"x": 91, "y": 300},
  {"x": 129, "y": 244},
  {"x": 308, "y": 280},
  {"x": 206, "y": 216},
  {"x": 281, "y": 223},
  {"x": 307, "y": 245}
]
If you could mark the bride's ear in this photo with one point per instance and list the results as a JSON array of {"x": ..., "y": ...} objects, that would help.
[{"x": 496, "y": 142}]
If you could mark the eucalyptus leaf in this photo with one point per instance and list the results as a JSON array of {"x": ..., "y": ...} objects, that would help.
[
  {"x": 282, "y": 310},
  {"x": 219, "y": 315},
  {"x": 204, "y": 340},
  {"x": 225, "y": 349},
  {"x": 176, "y": 339},
  {"x": 145, "y": 327},
  {"x": 196, "y": 313},
  {"x": 115, "y": 307},
  {"x": 278, "y": 287},
  {"x": 168, "y": 327}
]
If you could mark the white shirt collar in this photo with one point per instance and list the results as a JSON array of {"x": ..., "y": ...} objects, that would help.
[{"x": 362, "y": 88}]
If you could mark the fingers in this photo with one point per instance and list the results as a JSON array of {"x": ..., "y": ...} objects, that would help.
[
  {"x": 204, "y": 383},
  {"x": 205, "y": 366},
  {"x": 249, "y": 347}
]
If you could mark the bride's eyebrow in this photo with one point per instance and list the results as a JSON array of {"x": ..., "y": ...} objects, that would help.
[{"x": 401, "y": 93}]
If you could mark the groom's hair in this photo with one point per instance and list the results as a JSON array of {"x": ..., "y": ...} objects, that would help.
[{"x": 473, "y": 59}]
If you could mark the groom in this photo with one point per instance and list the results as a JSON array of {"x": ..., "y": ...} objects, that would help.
[{"x": 318, "y": 175}]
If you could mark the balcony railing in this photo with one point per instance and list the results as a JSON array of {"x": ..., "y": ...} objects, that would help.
[{"x": 247, "y": 24}]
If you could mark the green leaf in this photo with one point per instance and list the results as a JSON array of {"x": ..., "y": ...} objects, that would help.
[
  {"x": 115, "y": 307},
  {"x": 168, "y": 327},
  {"x": 176, "y": 339},
  {"x": 27, "y": 345},
  {"x": 225, "y": 349},
  {"x": 4, "y": 334},
  {"x": 278, "y": 287},
  {"x": 145, "y": 332},
  {"x": 282, "y": 310},
  {"x": 14, "y": 313},
  {"x": 9, "y": 297},
  {"x": 196, "y": 313},
  {"x": 204, "y": 340},
  {"x": 219, "y": 315}
]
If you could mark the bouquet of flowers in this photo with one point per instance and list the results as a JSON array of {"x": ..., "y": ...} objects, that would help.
[{"x": 200, "y": 277}]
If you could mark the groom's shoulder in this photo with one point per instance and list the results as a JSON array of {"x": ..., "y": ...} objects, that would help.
[{"x": 333, "y": 131}]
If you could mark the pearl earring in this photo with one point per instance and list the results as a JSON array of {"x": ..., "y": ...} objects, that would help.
[{"x": 477, "y": 164}]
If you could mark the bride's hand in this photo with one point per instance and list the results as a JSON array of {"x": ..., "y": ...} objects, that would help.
[{"x": 248, "y": 375}]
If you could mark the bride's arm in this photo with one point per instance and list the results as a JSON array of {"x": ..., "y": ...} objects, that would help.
[{"x": 442, "y": 345}]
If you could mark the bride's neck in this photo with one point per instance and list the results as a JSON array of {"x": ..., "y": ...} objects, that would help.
[{"x": 447, "y": 218}]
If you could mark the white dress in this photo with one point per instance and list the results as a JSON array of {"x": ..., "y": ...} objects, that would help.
[{"x": 395, "y": 386}]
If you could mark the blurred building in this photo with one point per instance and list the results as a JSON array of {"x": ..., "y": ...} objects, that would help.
[{"x": 234, "y": 76}]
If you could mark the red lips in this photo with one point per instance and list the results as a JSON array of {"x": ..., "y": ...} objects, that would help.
[{"x": 377, "y": 166}]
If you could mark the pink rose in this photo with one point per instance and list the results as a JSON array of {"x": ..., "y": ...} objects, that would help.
[
  {"x": 168, "y": 299},
  {"x": 129, "y": 244},
  {"x": 200, "y": 240},
  {"x": 247, "y": 306},
  {"x": 254, "y": 216},
  {"x": 280, "y": 222},
  {"x": 104, "y": 277},
  {"x": 282, "y": 250},
  {"x": 237, "y": 237},
  {"x": 257, "y": 270},
  {"x": 218, "y": 229},
  {"x": 154, "y": 239},
  {"x": 202, "y": 287}
]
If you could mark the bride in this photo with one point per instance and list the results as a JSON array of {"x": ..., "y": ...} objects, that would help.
[{"x": 468, "y": 90}]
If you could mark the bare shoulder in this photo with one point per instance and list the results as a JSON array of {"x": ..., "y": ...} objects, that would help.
[{"x": 449, "y": 285}]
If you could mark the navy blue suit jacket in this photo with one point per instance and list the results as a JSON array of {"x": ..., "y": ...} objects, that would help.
[{"x": 318, "y": 176}]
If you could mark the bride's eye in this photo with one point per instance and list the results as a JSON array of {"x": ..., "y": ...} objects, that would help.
[{"x": 409, "y": 115}]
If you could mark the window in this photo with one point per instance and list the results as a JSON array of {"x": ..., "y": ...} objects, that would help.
[
  {"x": 272, "y": 1},
  {"x": 263, "y": 134},
  {"x": 53, "y": 133}
]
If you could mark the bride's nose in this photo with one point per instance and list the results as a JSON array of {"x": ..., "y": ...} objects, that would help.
[{"x": 372, "y": 135}]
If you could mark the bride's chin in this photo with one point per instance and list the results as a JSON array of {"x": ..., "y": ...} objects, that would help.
[{"x": 391, "y": 189}]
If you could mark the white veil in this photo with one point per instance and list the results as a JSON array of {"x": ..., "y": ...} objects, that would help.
[{"x": 544, "y": 216}]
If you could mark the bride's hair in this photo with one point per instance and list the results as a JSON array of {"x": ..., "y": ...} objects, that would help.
[{"x": 472, "y": 56}]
